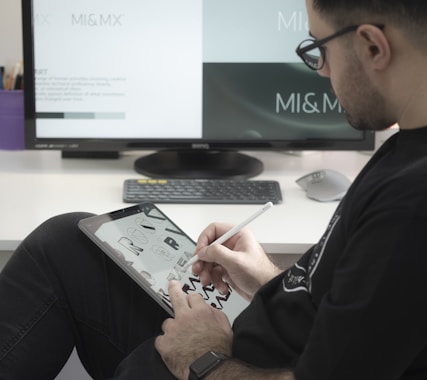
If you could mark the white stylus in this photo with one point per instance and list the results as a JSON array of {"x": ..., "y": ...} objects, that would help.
[{"x": 231, "y": 232}]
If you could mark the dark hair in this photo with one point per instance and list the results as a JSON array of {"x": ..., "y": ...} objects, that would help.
[{"x": 410, "y": 15}]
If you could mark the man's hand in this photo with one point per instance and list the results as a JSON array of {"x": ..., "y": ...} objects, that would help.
[
  {"x": 240, "y": 261},
  {"x": 196, "y": 329}
]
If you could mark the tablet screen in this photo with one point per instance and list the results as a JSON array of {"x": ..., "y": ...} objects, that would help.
[{"x": 153, "y": 250}]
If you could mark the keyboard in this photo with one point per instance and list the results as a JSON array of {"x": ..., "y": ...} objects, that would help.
[{"x": 201, "y": 191}]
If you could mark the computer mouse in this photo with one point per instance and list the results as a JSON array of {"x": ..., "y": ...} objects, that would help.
[{"x": 324, "y": 185}]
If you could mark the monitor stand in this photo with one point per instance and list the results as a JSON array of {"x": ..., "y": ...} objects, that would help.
[{"x": 198, "y": 164}]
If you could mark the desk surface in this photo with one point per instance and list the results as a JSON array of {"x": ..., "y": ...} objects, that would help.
[{"x": 35, "y": 185}]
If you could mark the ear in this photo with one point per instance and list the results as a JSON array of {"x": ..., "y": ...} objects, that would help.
[{"x": 373, "y": 46}]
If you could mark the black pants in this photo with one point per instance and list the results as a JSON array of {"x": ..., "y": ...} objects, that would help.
[{"x": 59, "y": 291}]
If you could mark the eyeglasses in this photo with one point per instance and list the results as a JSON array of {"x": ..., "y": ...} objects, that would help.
[{"x": 313, "y": 53}]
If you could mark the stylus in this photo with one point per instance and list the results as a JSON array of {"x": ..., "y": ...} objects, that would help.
[{"x": 232, "y": 232}]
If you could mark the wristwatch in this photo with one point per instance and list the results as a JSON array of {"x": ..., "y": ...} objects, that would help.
[{"x": 206, "y": 363}]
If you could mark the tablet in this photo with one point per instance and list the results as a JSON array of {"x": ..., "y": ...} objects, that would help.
[{"x": 153, "y": 250}]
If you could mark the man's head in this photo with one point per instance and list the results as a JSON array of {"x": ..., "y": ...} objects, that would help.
[
  {"x": 409, "y": 15},
  {"x": 376, "y": 67}
]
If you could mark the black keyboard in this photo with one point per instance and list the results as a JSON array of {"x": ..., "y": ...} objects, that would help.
[{"x": 201, "y": 191}]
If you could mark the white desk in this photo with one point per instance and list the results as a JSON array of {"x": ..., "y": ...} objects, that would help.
[{"x": 35, "y": 185}]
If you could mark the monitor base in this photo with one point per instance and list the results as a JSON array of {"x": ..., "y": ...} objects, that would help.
[{"x": 198, "y": 164}]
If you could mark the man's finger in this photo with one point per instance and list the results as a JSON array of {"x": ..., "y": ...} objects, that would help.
[{"x": 177, "y": 296}]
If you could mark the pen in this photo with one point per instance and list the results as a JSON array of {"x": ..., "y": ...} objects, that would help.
[{"x": 231, "y": 232}]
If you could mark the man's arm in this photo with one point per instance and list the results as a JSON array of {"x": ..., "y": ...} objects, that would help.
[{"x": 196, "y": 329}]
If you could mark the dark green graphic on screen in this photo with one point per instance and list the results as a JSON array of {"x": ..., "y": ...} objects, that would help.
[{"x": 261, "y": 100}]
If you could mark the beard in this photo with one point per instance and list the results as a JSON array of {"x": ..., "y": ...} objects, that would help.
[
  {"x": 369, "y": 122},
  {"x": 365, "y": 107}
]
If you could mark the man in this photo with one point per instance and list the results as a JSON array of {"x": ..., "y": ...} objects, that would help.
[{"x": 353, "y": 307}]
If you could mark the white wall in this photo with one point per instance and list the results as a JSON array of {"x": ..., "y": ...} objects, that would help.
[{"x": 10, "y": 33}]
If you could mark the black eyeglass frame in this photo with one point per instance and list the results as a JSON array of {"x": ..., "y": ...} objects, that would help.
[{"x": 318, "y": 44}]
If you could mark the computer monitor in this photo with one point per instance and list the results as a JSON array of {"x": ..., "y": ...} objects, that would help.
[{"x": 196, "y": 81}]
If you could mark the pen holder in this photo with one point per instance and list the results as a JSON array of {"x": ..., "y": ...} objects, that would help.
[{"x": 12, "y": 120}]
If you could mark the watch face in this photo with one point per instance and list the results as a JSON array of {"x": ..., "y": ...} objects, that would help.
[{"x": 205, "y": 363}]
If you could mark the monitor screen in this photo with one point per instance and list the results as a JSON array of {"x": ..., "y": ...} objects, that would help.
[{"x": 197, "y": 80}]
